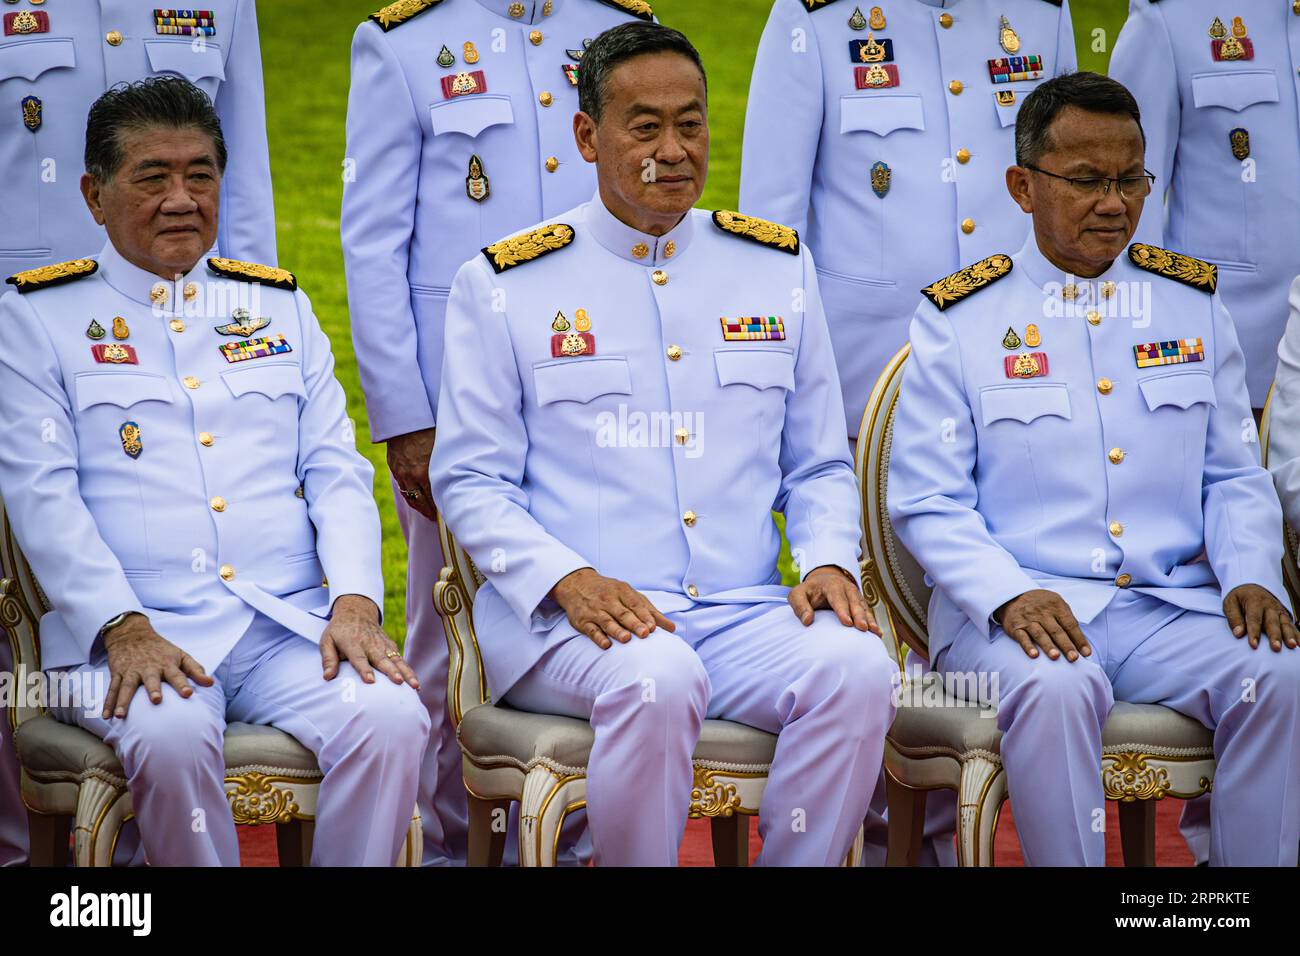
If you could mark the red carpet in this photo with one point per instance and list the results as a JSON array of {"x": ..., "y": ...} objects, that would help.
[{"x": 257, "y": 844}]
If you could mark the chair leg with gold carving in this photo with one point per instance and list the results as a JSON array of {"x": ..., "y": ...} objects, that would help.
[
  {"x": 1137, "y": 832},
  {"x": 488, "y": 823},
  {"x": 906, "y": 822},
  {"x": 412, "y": 851},
  {"x": 979, "y": 800},
  {"x": 730, "y": 840},
  {"x": 289, "y": 844},
  {"x": 102, "y": 807},
  {"x": 49, "y": 833},
  {"x": 853, "y": 858}
]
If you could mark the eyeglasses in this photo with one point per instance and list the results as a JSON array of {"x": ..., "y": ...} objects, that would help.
[{"x": 1130, "y": 187}]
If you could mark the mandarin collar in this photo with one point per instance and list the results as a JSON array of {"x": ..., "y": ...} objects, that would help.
[
  {"x": 523, "y": 11},
  {"x": 145, "y": 287},
  {"x": 632, "y": 244},
  {"x": 1056, "y": 282}
]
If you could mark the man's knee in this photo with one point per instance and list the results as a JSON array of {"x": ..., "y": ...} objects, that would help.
[
  {"x": 666, "y": 675},
  {"x": 175, "y": 734},
  {"x": 389, "y": 715},
  {"x": 1061, "y": 686},
  {"x": 1271, "y": 679}
]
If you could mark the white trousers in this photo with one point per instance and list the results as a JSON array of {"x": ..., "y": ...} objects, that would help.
[
  {"x": 368, "y": 739},
  {"x": 824, "y": 689}
]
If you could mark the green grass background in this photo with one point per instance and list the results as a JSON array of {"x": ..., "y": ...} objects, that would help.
[{"x": 305, "y": 48}]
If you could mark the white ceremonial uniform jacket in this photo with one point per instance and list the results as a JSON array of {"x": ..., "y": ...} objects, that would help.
[
  {"x": 892, "y": 185},
  {"x": 195, "y": 489},
  {"x": 49, "y": 77},
  {"x": 658, "y": 451},
  {"x": 1112, "y": 446}
]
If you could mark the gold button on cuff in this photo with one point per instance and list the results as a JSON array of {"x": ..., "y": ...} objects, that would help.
[
  {"x": 190, "y": 381},
  {"x": 1116, "y": 455},
  {"x": 955, "y": 87},
  {"x": 227, "y": 573},
  {"x": 963, "y": 155},
  {"x": 545, "y": 98},
  {"x": 176, "y": 325},
  {"x": 205, "y": 439},
  {"x": 218, "y": 503},
  {"x": 1104, "y": 385},
  {"x": 1094, "y": 318},
  {"x": 659, "y": 277},
  {"x": 670, "y": 249},
  {"x": 1116, "y": 529},
  {"x": 552, "y": 164},
  {"x": 674, "y": 352},
  {"x": 968, "y": 226},
  {"x": 1124, "y": 580},
  {"x": 114, "y": 38},
  {"x": 535, "y": 38},
  {"x": 693, "y": 591},
  {"x": 682, "y": 436},
  {"x": 688, "y": 519},
  {"x": 640, "y": 250},
  {"x": 945, "y": 19}
]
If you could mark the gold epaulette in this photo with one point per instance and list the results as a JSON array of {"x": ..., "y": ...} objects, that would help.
[
  {"x": 32, "y": 279},
  {"x": 816, "y": 4},
  {"x": 395, "y": 14},
  {"x": 528, "y": 246},
  {"x": 1174, "y": 265},
  {"x": 252, "y": 272},
  {"x": 966, "y": 281},
  {"x": 638, "y": 8},
  {"x": 758, "y": 230}
]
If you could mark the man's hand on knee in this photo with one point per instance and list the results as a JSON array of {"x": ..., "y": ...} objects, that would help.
[
  {"x": 355, "y": 635},
  {"x": 137, "y": 654},
  {"x": 602, "y": 607},
  {"x": 1042, "y": 618},
  {"x": 833, "y": 588},
  {"x": 1252, "y": 610}
]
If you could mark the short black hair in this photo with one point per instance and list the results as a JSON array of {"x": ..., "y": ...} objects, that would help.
[
  {"x": 1088, "y": 91},
  {"x": 157, "y": 101},
  {"x": 619, "y": 44}
]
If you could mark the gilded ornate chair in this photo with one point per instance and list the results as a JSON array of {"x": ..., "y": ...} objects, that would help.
[
  {"x": 72, "y": 780},
  {"x": 540, "y": 761},
  {"x": 1290, "y": 572},
  {"x": 1148, "y": 752}
]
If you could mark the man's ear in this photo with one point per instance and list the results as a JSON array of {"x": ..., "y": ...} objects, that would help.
[
  {"x": 90, "y": 191},
  {"x": 1018, "y": 187},
  {"x": 584, "y": 133}
]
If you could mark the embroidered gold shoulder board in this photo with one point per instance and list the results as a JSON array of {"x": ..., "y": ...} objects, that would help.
[
  {"x": 638, "y": 8},
  {"x": 816, "y": 4},
  {"x": 758, "y": 230},
  {"x": 33, "y": 279},
  {"x": 528, "y": 246},
  {"x": 395, "y": 14},
  {"x": 1193, "y": 272},
  {"x": 966, "y": 281},
  {"x": 252, "y": 272}
]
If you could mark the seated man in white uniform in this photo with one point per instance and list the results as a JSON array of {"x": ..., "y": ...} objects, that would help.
[{"x": 180, "y": 471}]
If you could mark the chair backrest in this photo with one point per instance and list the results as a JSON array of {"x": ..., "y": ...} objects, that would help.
[
  {"x": 892, "y": 582},
  {"x": 453, "y": 596},
  {"x": 22, "y": 603},
  {"x": 1290, "y": 540}
]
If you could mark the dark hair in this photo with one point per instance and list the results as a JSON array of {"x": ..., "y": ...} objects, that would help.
[
  {"x": 130, "y": 107},
  {"x": 622, "y": 43},
  {"x": 1088, "y": 91}
]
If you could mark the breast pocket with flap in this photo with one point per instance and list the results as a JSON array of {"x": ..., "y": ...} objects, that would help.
[
  {"x": 581, "y": 380},
  {"x": 201, "y": 64},
  {"x": 470, "y": 115},
  {"x": 1024, "y": 403},
  {"x": 1234, "y": 90},
  {"x": 120, "y": 388},
  {"x": 272, "y": 380},
  {"x": 881, "y": 113}
]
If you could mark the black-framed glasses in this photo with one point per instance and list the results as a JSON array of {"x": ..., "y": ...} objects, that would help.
[{"x": 1130, "y": 187}]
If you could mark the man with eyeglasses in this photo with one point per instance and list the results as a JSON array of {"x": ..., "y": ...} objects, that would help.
[{"x": 1070, "y": 467}]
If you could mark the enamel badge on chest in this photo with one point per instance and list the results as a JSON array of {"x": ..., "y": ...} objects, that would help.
[{"x": 476, "y": 184}]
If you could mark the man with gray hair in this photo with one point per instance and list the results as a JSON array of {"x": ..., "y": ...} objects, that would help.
[{"x": 180, "y": 471}]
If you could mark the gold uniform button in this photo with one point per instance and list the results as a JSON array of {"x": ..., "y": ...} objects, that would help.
[
  {"x": 963, "y": 155},
  {"x": 674, "y": 353},
  {"x": 218, "y": 503},
  {"x": 968, "y": 226},
  {"x": 516, "y": 10},
  {"x": 1116, "y": 529},
  {"x": 114, "y": 38},
  {"x": 300, "y": 493},
  {"x": 1094, "y": 318},
  {"x": 670, "y": 248},
  {"x": 688, "y": 519},
  {"x": 955, "y": 87},
  {"x": 535, "y": 38},
  {"x": 227, "y": 573},
  {"x": 1116, "y": 455},
  {"x": 693, "y": 591},
  {"x": 659, "y": 277},
  {"x": 176, "y": 325},
  {"x": 1104, "y": 385},
  {"x": 682, "y": 435},
  {"x": 945, "y": 19},
  {"x": 546, "y": 99},
  {"x": 205, "y": 439},
  {"x": 640, "y": 250},
  {"x": 1124, "y": 580},
  {"x": 190, "y": 381},
  {"x": 158, "y": 294},
  {"x": 552, "y": 164},
  {"x": 191, "y": 290}
]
